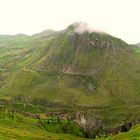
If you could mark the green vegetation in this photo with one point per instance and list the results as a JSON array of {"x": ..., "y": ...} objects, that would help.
[
  {"x": 133, "y": 134},
  {"x": 17, "y": 127},
  {"x": 56, "y": 125},
  {"x": 90, "y": 77}
]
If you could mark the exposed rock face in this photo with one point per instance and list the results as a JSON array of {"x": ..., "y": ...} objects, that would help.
[
  {"x": 91, "y": 125},
  {"x": 94, "y": 126},
  {"x": 91, "y": 87},
  {"x": 80, "y": 119},
  {"x": 121, "y": 128}
]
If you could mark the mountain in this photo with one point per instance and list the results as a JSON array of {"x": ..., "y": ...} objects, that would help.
[
  {"x": 81, "y": 64},
  {"x": 87, "y": 76},
  {"x": 45, "y": 33}
]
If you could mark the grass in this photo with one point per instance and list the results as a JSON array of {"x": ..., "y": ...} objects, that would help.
[
  {"x": 56, "y": 125},
  {"x": 17, "y": 127},
  {"x": 133, "y": 134}
]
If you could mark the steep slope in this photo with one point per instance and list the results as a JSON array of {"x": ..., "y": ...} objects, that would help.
[
  {"x": 133, "y": 134},
  {"x": 92, "y": 72},
  {"x": 17, "y": 127},
  {"x": 94, "y": 64}
]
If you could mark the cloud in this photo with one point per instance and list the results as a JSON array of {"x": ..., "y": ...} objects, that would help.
[{"x": 82, "y": 27}]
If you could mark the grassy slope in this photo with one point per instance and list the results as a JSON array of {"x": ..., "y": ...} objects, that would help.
[
  {"x": 133, "y": 134},
  {"x": 17, "y": 127},
  {"x": 80, "y": 67},
  {"x": 115, "y": 86}
]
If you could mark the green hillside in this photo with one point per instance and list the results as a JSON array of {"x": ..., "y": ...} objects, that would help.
[
  {"x": 90, "y": 78},
  {"x": 16, "y": 127},
  {"x": 133, "y": 134},
  {"x": 80, "y": 64}
]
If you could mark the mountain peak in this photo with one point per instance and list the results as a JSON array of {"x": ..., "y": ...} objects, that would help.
[{"x": 80, "y": 27}]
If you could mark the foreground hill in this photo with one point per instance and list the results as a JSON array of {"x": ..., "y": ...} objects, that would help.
[
  {"x": 133, "y": 134},
  {"x": 86, "y": 76},
  {"x": 14, "y": 126}
]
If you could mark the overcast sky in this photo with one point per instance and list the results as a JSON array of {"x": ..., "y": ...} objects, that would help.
[{"x": 120, "y": 18}]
